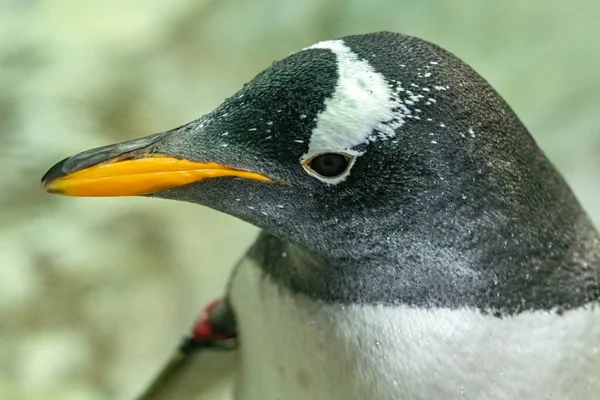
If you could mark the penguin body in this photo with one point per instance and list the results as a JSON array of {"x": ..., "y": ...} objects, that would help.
[
  {"x": 304, "y": 349},
  {"x": 416, "y": 242}
]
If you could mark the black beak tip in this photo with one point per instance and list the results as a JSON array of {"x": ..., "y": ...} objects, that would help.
[
  {"x": 97, "y": 156},
  {"x": 57, "y": 171}
]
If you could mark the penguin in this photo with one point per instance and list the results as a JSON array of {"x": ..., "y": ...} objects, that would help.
[{"x": 415, "y": 241}]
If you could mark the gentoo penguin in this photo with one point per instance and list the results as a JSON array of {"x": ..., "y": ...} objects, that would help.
[{"x": 416, "y": 243}]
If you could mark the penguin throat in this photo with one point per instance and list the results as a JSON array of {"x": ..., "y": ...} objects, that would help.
[{"x": 474, "y": 263}]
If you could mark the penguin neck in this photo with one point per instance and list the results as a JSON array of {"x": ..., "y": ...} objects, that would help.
[{"x": 472, "y": 257}]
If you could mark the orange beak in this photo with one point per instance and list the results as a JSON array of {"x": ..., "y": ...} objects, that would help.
[{"x": 138, "y": 176}]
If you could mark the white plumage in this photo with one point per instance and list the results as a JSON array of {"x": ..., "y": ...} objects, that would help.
[{"x": 295, "y": 348}]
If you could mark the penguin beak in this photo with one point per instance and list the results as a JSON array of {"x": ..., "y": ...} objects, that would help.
[{"x": 132, "y": 168}]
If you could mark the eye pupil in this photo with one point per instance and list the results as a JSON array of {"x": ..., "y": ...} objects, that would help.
[{"x": 329, "y": 165}]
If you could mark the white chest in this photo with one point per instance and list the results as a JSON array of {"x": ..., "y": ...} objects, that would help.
[{"x": 295, "y": 348}]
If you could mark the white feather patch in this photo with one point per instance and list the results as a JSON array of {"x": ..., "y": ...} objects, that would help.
[{"x": 363, "y": 108}]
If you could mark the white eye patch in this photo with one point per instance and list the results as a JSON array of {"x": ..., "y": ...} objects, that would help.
[{"x": 363, "y": 108}]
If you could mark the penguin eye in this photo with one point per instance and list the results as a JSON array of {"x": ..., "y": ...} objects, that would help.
[{"x": 329, "y": 165}]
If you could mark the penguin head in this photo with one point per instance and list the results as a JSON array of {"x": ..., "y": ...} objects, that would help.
[
  {"x": 332, "y": 140},
  {"x": 365, "y": 147}
]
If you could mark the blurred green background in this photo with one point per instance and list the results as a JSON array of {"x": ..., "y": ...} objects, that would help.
[{"x": 96, "y": 293}]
